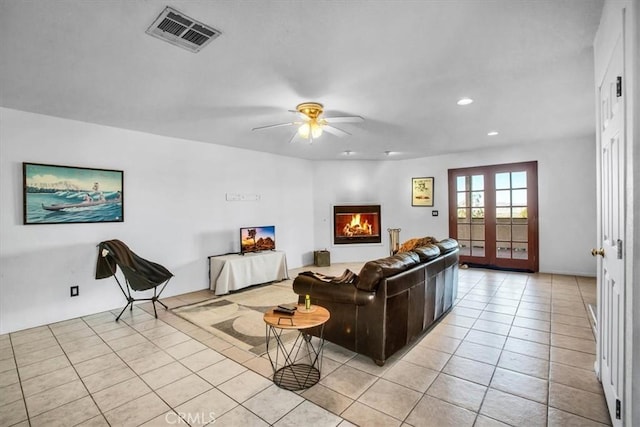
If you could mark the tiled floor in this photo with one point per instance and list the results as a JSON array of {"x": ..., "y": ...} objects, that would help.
[{"x": 516, "y": 350}]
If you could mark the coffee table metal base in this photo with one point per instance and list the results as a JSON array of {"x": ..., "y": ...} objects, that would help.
[
  {"x": 296, "y": 377},
  {"x": 288, "y": 372}
]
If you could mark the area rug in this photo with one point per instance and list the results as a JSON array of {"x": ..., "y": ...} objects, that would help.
[{"x": 238, "y": 317}]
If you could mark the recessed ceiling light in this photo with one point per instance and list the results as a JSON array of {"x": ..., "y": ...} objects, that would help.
[
  {"x": 465, "y": 101},
  {"x": 492, "y": 133},
  {"x": 347, "y": 152}
]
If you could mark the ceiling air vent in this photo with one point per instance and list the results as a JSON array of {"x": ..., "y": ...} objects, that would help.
[{"x": 180, "y": 30}]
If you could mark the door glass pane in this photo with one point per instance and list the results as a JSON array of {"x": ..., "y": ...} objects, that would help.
[
  {"x": 477, "y": 182},
  {"x": 477, "y": 199},
  {"x": 503, "y": 232},
  {"x": 477, "y": 248},
  {"x": 503, "y": 215},
  {"x": 464, "y": 215},
  {"x": 519, "y": 198},
  {"x": 464, "y": 231},
  {"x": 502, "y": 181},
  {"x": 520, "y": 233},
  {"x": 519, "y": 213},
  {"x": 520, "y": 250},
  {"x": 461, "y": 183},
  {"x": 503, "y": 249},
  {"x": 503, "y": 198},
  {"x": 477, "y": 232},
  {"x": 465, "y": 247},
  {"x": 462, "y": 200},
  {"x": 477, "y": 214},
  {"x": 519, "y": 179}
]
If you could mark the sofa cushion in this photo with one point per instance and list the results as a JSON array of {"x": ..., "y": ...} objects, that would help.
[
  {"x": 411, "y": 244},
  {"x": 427, "y": 252},
  {"x": 373, "y": 271},
  {"x": 447, "y": 245}
]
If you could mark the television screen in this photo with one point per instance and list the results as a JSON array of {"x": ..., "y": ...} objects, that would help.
[{"x": 255, "y": 239}]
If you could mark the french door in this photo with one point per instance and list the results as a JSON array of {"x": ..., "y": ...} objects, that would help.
[{"x": 493, "y": 213}]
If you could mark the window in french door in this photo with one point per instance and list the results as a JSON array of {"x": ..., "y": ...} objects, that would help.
[{"x": 493, "y": 213}]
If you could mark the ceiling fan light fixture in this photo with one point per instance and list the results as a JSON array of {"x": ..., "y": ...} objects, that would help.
[
  {"x": 310, "y": 109},
  {"x": 310, "y": 128},
  {"x": 304, "y": 130},
  {"x": 311, "y": 124},
  {"x": 316, "y": 129}
]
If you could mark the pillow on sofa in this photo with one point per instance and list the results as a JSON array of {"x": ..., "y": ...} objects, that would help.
[
  {"x": 369, "y": 276},
  {"x": 427, "y": 252},
  {"x": 411, "y": 244},
  {"x": 447, "y": 245},
  {"x": 373, "y": 271}
]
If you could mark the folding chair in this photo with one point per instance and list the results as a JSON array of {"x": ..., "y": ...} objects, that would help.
[{"x": 139, "y": 273}]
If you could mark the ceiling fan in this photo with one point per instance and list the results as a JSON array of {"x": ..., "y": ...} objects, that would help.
[{"x": 312, "y": 123}]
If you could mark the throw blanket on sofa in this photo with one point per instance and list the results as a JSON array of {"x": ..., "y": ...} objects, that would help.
[
  {"x": 411, "y": 244},
  {"x": 347, "y": 277}
]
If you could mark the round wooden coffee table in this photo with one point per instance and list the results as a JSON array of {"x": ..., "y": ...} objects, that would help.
[{"x": 294, "y": 369}]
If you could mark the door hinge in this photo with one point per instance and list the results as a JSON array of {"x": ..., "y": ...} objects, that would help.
[
  {"x": 619, "y": 248},
  {"x": 618, "y": 86},
  {"x": 618, "y": 404}
]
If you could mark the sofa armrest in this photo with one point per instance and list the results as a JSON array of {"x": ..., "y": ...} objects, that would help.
[{"x": 345, "y": 293}]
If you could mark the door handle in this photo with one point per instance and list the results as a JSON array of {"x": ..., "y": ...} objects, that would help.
[{"x": 596, "y": 252}]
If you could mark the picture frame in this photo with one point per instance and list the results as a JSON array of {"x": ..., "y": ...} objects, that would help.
[
  {"x": 422, "y": 191},
  {"x": 55, "y": 194}
]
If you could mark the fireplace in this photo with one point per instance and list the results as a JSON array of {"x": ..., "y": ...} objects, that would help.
[{"x": 356, "y": 224}]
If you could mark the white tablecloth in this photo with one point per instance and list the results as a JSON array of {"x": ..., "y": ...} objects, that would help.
[{"x": 232, "y": 272}]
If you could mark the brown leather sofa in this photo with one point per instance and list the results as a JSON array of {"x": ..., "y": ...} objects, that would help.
[{"x": 392, "y": 301}]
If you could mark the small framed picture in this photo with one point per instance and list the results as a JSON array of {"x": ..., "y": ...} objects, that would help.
[{"x": 422, "y": 191}]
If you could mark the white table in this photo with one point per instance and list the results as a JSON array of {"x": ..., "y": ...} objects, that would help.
[{"x": 232, "y": 272}]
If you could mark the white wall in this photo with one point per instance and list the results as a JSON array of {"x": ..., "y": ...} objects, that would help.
[
  {"x": 566, "y": 194},
  {"x": 175, "y": 213}
]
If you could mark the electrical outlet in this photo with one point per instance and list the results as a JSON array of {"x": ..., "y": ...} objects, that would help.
[
  {"x": 434, "y": 213},
  {"x": 75, "y": 291}
]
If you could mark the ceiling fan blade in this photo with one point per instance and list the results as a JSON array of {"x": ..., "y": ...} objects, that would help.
[
  {"x": 276, "y": 125},
  {"x": 293, "y": 137},
  {"x": 344, "y": 119},
  {"x": 335, "y": 131}
]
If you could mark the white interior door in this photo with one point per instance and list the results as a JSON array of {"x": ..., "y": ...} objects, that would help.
[{"x": 611, "y": 275}]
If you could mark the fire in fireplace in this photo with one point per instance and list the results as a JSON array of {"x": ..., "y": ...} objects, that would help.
[{"x": 356, "y": 224}]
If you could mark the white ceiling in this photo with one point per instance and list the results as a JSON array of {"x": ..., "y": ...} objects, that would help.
[{"x": 401, "y": 65}]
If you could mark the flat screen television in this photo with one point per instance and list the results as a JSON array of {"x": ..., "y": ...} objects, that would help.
[{"x": 256, "y": 239}]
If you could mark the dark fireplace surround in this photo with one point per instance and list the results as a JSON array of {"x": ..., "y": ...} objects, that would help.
[{"x": 356, "y": 224}]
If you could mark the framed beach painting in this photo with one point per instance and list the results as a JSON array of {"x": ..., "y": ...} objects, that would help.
[
  {"x": 422, "y": 191},
  {"x": 69, "y": 195}
]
